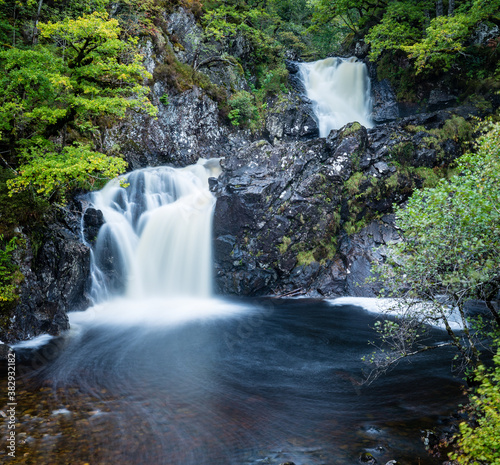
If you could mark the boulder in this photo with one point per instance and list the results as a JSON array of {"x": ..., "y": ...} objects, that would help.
[{"x": 56, "y": 280}]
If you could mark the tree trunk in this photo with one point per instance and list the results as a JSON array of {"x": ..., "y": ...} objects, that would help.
[
  {"x": 427, "y": 16},
  {"x": 451, "y": 7},
  {"x": 34, "y": 41},
  {"x": 439, "y": 8}
]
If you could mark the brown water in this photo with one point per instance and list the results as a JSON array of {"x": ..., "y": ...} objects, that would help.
[{"x": 277, "y": 383}]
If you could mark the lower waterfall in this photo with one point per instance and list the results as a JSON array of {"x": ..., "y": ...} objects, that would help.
[
  {"x": 340, "y": 91},
  {"x": 153, "y": 254}
]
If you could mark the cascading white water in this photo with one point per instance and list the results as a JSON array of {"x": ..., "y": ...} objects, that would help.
[
  {"x": 152, "y": 259},
  {"x": 340, "y": 91},
  {"x": 157, "y": 234}
]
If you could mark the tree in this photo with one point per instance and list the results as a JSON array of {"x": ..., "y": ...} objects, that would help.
[
  {"x": 449, "y": 254},
  {"x": 434, "y": 46},
  {"x": 355, "y": 14},
  {"x": 55, "y": 99}
]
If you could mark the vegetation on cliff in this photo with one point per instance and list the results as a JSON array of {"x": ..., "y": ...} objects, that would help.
[
  {"x": 448, "y": 255},
  {"x": 70, "y": 70}
]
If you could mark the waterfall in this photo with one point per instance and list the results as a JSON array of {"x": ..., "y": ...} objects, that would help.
[
  {"x": 156, "y": 240},
  {"x": 340, "y": 91},
  {"x": 152, "y": 259}
]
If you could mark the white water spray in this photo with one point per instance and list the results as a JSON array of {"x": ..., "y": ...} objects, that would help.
[
  {"x": 340, "y": 91},
  {"x": 156, "y": 240},
  {"x": 152, "y": 260}
]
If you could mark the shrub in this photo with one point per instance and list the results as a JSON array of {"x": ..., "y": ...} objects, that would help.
[
  {"x": 243, "y": 109},
  {"x": 479, "y": 439}
]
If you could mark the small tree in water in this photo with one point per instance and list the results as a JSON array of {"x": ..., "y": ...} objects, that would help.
[{"x": 449, "y": 254}]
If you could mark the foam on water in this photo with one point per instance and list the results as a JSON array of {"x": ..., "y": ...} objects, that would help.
[
  {"x": 33, "y": 343},
  {"x": 395, "y": 307},
  {"x": 155, "y": 312}
]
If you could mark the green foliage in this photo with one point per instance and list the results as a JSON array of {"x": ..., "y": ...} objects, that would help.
[
  {"x": 243, "y": 109},
  {"x": 22, "y": 209},
  {"x": 479, "y": 439},
  {"x": 401, "y": 25},
  {"x": 10, "y": 276},
  {"x": 164, "y": 99},
  {"x": 446, "y": 35},
  {"x": 450, "y": 252},
  {"x": 48, "y": 171},
  {"x": 352, "y": 13},
  {"x": 435, "y": 44},
  {"x": 273, "y": 83},
  {"x": 269, "y": 30},
  {"x": 81, "y": 79},
  {"x": 104, "y": 73}
]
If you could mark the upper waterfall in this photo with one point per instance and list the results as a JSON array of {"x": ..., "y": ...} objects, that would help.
[
  {"x": 340, "y": 91},
  {"x": 156, "y": 240}
]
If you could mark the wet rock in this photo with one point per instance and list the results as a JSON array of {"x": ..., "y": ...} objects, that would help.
[
  {"x": 361, "y": 49},
  {"x": 4, "y": 351},
  {"x": 92, "y": 221},
  {"x": 292, "y": 118},
  {"x": 484, "y": 33},
  {"x": 440, "y": 99},
  {"x": 294, "y": 77},
  {"x": 306, "y": 215},
  {"x": 186, "y": 129},
  {"x": 56, "y": 280},
  {"x": 184, "y": 30},
  {"x": 385, "y": 105},
  {"x": 276, "y": 218},
  {"x": 382, "y": 167}
]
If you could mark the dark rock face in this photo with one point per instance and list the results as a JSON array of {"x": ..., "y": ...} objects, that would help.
[
  {"x": 93, "y": 220},
  {"x": 385, "y": 105},
  {"x": 305, "y": 215},
  {"x": 291, "y": 119},
  {"x": 56, "y": 281},
  {"x": 186, "y": 129},
  {"x": 439, "y": 99},
  {"x": 294, "y": 78}
]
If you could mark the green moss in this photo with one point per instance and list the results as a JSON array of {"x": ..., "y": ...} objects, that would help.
[
  {"x": 429, "y": 176},
  {"x": 391, "y": 182},
  {"x": 353, "y": 183},
  {"x": 285, "y": 243},
  {"x": 305, "y": 258},
  {"x": 402, "y": 152},
  {"x": 352, "y": 227},
  {"x": 350, "y": 130}
]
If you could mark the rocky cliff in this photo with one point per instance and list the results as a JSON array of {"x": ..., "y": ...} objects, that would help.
[
  {"x": 303, "y": 217},
  {"x": 295, "y": 214}
]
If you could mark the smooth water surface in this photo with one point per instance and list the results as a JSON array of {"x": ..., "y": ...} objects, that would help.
[{"x": 274, "y": 381}]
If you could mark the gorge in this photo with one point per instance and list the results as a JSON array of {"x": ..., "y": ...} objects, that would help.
[
  {"x": 156, "y": 321},
  {"x": 158, "y": 370}
]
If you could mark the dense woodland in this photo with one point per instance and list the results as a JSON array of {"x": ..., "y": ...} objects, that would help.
[{"x": 71, "y": 69}]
